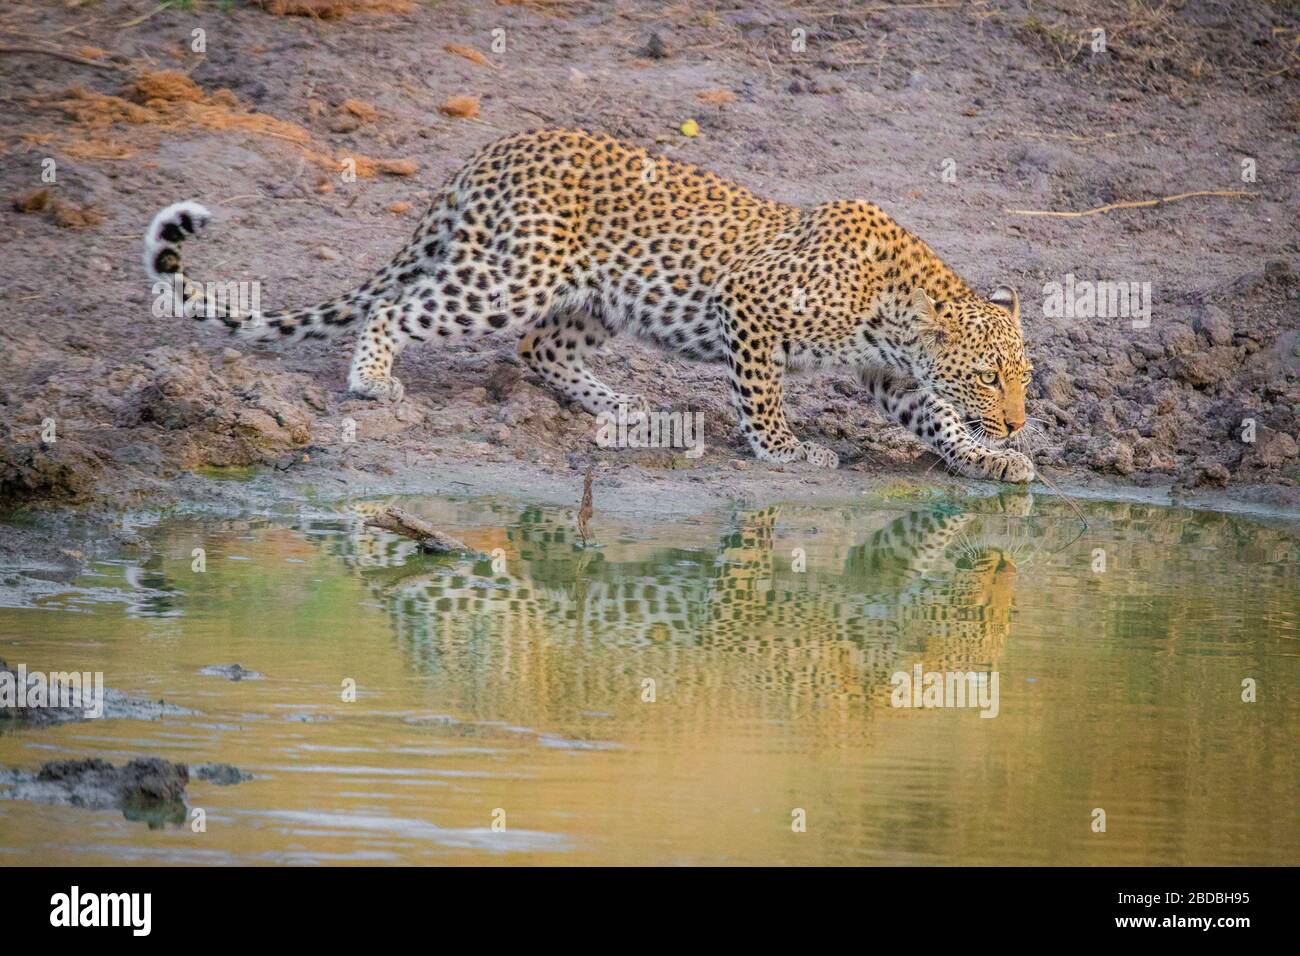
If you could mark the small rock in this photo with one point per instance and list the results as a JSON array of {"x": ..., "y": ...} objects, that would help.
[
  {"x": 1273, "y": 449},
  {"x": 502, "y": 380},
  {"x": 655, "y": 48},
  {"x": 1278, "y": 270},
  {"x": 1214, "y": 324},
  {"x": 1059, "y": 387},
  {"x": 1201, "y": 369},
  {"x": 139, "y": 455},
  {"x": 1178, "y": 339},
  {"x": 1206, "y": 472},
  {"x": 1114, "y": 456}
]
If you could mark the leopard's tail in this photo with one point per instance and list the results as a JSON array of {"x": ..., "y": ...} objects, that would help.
[{"x": 235, "y": 304}]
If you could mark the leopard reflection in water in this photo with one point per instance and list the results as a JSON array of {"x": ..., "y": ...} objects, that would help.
[{"x": 557, "y": 623}]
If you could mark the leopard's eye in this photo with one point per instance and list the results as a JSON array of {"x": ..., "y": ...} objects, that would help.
[{"x": 989, "y": 378}]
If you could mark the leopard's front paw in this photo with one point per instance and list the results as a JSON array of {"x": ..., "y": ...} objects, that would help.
[
  {"x": 1014, "y": 467},
  {"x": 819, "y": 455},
  {"x": 382, "y": 389}
]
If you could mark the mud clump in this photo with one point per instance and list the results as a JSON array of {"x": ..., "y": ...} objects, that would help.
[
  {"x": 221, "y": 774},
  {"x": 147, "y": 789},
  {"x": 66, "y": 470},
  {"x": 225, "y": 416}
]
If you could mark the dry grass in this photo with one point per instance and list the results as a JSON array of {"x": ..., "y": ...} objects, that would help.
[
  {"x": 331, "y": 9},
  {"x": 468, "y": 52},
  {"x": 463, "y": 107},
  {"x": 66, "y": 215},
  {"x": 716, "y": 97},
  {"x": 168, "y": 100}
]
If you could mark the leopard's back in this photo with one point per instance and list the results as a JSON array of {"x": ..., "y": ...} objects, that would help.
[{"x": 638, "y": 239}]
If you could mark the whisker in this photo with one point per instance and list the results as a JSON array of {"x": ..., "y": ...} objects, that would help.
[{"x": 1068, "y": 500}]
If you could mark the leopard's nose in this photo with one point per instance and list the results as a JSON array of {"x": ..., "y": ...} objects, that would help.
[{"x": 1014, "y": 424}]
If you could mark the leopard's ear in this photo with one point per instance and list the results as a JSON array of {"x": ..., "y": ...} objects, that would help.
[
  {"x": 927, "y": 315},
  {"x": 924, "y": 305},
  {"x": 1006, "y": 297}
]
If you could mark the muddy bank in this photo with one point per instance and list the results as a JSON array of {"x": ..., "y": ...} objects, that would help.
[{"x": 108, "y": 406}]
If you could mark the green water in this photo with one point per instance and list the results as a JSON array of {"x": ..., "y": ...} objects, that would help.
[{"x": 714, "y": 689}]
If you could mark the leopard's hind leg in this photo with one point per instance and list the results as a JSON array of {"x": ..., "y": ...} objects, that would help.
[
  {"x": 479, "y": 265},
  {"x": 438, "y": 308},
  {"x": 380, "y": 341},
  {"x": 557, "y": 346}
]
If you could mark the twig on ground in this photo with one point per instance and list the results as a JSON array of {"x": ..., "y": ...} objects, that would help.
[
  {"x": 144, "y": 16},
  {"x": 544, "y": 117},
  {"x": 1137, "y": 204},
  {"x": 62, "y": 55}
]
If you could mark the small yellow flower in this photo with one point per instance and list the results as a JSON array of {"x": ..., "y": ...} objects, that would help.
[{"x": 690, "y": 128}]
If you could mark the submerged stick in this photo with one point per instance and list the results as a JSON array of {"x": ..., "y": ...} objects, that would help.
[
  {"x": 585, "y": 510},
  {"x": 428, "y": 537}
]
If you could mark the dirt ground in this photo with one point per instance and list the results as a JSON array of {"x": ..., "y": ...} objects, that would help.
[{"x": 950, "y": 115}]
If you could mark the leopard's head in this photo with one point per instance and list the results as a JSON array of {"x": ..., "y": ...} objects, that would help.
[
  {"x": 973, "y": 354},
  {"x": 992, "y": 576}
]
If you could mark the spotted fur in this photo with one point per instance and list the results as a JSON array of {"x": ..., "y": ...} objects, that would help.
[{"x": 572, "y": 237}]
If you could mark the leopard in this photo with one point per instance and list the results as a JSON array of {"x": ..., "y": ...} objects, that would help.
[{"x": 568, "y": 237}]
